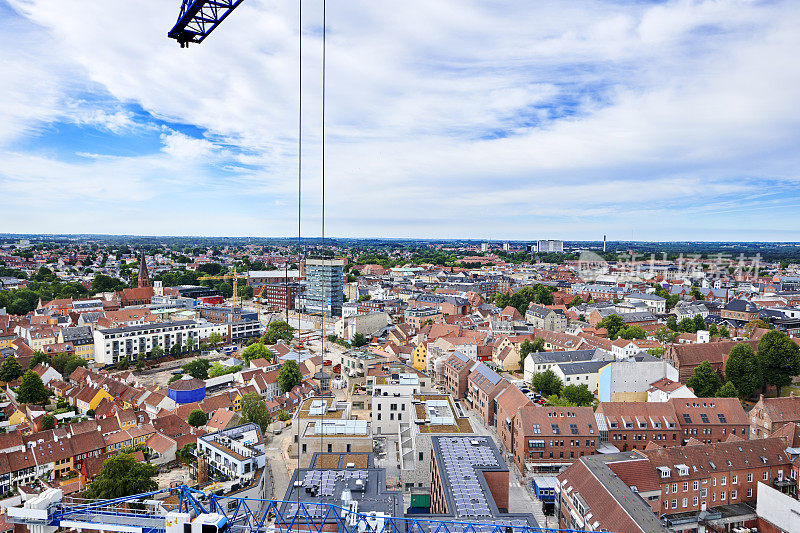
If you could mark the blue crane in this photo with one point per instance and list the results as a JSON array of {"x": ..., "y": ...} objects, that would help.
[
  {"x": 187, "y": 510},
  {"x": 198, "y": 18}
]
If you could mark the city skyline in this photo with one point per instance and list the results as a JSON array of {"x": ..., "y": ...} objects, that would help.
[{"x": 645, "y": 121}]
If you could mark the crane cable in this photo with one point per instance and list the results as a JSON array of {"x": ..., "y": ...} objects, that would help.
[
  {"x": 299, "y": 206},
  {"x": 324, "y": 255}
]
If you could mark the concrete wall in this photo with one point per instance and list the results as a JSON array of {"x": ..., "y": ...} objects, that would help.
[{"x": 628, "y": 377}]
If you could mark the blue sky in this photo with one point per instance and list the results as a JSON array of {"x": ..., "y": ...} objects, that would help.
[{"x": 457, "y": 118}]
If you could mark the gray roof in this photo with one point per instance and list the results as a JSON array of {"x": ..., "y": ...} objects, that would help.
[
  {"x": 145, "y": 327},
  {"x": 645, "y": 296},
  {"x": 77, "y": 333},
  {"x": 582, "y": 367},
  {"x": 570, "y": 356}
]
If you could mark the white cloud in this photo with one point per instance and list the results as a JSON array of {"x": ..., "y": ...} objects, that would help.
[{"x": 449, "y": 113}]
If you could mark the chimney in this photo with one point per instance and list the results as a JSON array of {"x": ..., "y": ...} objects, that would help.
[{"x": 760, "y": 397}]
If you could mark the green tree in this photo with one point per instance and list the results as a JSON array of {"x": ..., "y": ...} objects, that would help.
[
  {"x": 723, "y": 332},
  {"x": 10, "y": 369},
  {"x": 358, "y": 340},
  {"x": 613, "y": 324},
  {"x": 743, "y": 371},
  {"x": 576, "y": 301},
  {"x": 727, "y": 391},
  {"x": 779, "y": 358},
  {"x": 278, "y": 330},
  {"x": 156, "y": 352},
  {"x": 197, "y": 369},
  {"x": 672, "y": 322},
  {"x": 699, "y": 322},
  {"x": 546, "y": 383},
  {"x": 215, "y": 339},
  {"x": 257, "y": 350},
  {"x": 557, "y": 401},
  {"x": 140, "y": 361},
  {"x": 73, "y": 363},
  {"x": 37, "y": 358},
  {"x": 122, "y": 475},
  {"x": 705, "y": 382},
  {"x": 577, "y": 395},
  {"x": 687, "y": 326},
  {"x": 191, "y": 342},
  {"x": 712, "y": 330},
  {"x": 528, "y": 347},
  {"x": 31, "y": 389},
  {"x": 226, "y": 289},
  {"x": 289, "y": 376},
  {"x": 665, "y": 335},
  {"x": 48, "y": 422},
  {"x": 696, "y": 293},
  {"x": 197, "y": 418},
  {"x": 255, "y": 410},
  {"x": 633, "y": 332},
  {"x": 283, "y": 416},
  {"x": 656, "y": 352}
]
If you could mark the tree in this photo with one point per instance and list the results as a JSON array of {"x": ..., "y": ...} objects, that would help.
[
  {"x": 358, "y": 340},
  {"x": 289, "y": 376},
  {"x": 73, "y": 363},
  {"x": 751, "y": 326},
  {"x": 156, "y": 352},
  {"x": 712, "y": 330},
  {"x": 665, "y": 335},
  {"x": 705, "y": 382},
  {"x": 613, "y": 324},
  {"x": 283, "y": 416},
  {"x": 140, "y": 361},
  {"x": 779, "y": 357},
  {"x": 197, "y": 418},
  {"x": 10, "y": 369},
  {"x": 226, "y": 289},
  {"x": 278, "y": 330},
  {"x": 37, "y": 358},
  {"x": 696, "y": 293},
  {"x": 742, "y": 370},
  {"x": 656, "y": 352},
  {"x": 575, "y": 302},
  {"x": 48, "y": 422},
  {"x": 122, "y": 475},
  {"x": 723, "y": 332},
  {"x": 727, "y": 391},
  {"x": 672, "y": 322},
  {"x": 191, "y": 342},
  {"x": 31, "y": 389},
  {"x": 687, "y": 325},
  {"x": 255, "y": 410},
  {"x": 215, "y": 339},
  {"x": 257, "y": 350},
  {"x": 577, "y": 395},
  {"x": 633, "y": 332},
  {"x": 699, "y": 323},
  {"x": 557, "y": 401},
  {"x": 197, "y": 369},
  {"x": 528, "y": 347},
  {"x": 546, "y": 383}
]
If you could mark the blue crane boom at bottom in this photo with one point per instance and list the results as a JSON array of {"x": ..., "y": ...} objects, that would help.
[
  {"x": 142, "y": 513},
  {"x": 198, "y": 18}
]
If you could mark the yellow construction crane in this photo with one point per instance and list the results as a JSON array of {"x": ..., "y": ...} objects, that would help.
[{"x": 235, "y": 277}]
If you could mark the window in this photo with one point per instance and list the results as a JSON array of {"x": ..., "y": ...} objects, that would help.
[
  {"x": 749, "y": 493},
  {"x": 722, "y": 419},
  {"x": 765, "y": 476},
  {"x": 734, "y": 479},
  {"x": 556, "y": 429},
  {"x": 685, "y": 486},
  {"x": 537, "y": 429},
  {"x": 695, "y": 485},
  {"x": 685, "y": 502},
  {"x": 724, "y": 480},
  {"x": 687, "y": 418},
  {"x": 722, "y": 495},
  {"x": 573, "y": 428},
  {"x": 704, "y": 418},
  {"x": 704, "y": 493},
  {"x": 695, "y": 501},
  {"x": 733, "y": 495},
  {"x": 420, "y": 456},
  {"x": 674, "y": 488},
  {"x": 750, "y": 477},
  {"x": 674, "y": 504}
]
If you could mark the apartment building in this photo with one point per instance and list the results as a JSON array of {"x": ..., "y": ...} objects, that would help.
[
  {"x": 710, "y": 420},
  {"x": 771, "y": 414},
  {"x": 115, "y": 344},
  {"x": 631, "y": 426},
  {"x": 237, "y": 452}
]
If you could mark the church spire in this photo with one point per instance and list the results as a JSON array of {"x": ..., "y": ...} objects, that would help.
[{"x": 144, "y": 278}]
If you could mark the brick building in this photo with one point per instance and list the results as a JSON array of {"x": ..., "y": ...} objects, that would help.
[
  {"x": 631, "y": 426},
  {"x": 710, "y": 419}
]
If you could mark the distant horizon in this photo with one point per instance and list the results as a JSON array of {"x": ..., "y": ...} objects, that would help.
[{"x": 375, "y": 238}]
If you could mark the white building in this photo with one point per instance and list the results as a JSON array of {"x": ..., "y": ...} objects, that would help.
[
  {"x": 549, "y": 245},
  {"x": 580, "y": 373},
  {"x": 655, "y": 304},
  {"x": 664, "y": 389},
  {"x": 236, "y": 452},
  {"x": 391, "y": 402},
  {"x": 114, "y": 344}
]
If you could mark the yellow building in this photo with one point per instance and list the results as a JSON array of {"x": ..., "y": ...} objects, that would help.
[
  {"x": 5, "y": 341},
  {"x": 90, "y": 398},
  {"x": 81, "y": 339},
  {"x": 419, "y": 357}
]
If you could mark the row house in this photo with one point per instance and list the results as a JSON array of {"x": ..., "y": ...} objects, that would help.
[
  {"x": 546, "y": 438},
  {"x": 455, "y": 373},
  {"x": 710, "y": 420},
  {"x": 687, "y": 357},
  {"x": 631, "y": 426},
  {"x": 129, "y": 438},
  {"x": 507, "y": 403},
  {"x": 483, "y": 386}
]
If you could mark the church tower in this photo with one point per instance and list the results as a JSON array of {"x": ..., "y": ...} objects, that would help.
[{"x": 144, "y": 278}]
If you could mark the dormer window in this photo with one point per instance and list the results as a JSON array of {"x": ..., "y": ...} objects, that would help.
[
  {"x": 664, "y": 471},
  {"x": 683, "y": 470}
]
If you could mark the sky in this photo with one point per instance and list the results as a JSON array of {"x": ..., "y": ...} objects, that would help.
[{"x": 483, "y": 119}]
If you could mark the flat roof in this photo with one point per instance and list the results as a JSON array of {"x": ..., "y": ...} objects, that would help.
[{"x": 312, "y": 487}]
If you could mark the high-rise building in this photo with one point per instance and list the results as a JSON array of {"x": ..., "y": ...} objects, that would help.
[
  {"x": 549, "y": 245},
  {"x": 144, "y": 277},
  {"x": 325, "y": 289}
]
